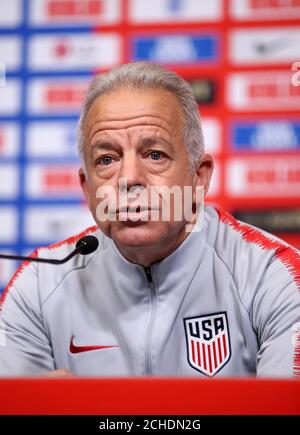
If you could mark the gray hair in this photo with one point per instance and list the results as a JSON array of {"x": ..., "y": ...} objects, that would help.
[{"x": 144, "y": 75}]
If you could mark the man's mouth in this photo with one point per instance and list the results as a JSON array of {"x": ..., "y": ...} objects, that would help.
[
  {"x": 137, "y": 213},
  {"x": 135, "y": 209}
]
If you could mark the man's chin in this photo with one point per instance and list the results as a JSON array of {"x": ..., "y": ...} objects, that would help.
[{"x": 136, "y": 234}]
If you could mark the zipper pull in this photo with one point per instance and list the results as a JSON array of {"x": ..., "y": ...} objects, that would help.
[{"x": 148, "y": 273}]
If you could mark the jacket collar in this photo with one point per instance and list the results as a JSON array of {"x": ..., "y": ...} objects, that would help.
[{"x": 179, "y": 266}]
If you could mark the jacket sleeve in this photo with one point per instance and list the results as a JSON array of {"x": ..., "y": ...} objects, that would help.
[
  {"x": 276, "y": 317},
  {"x": 25, "y": 349}
]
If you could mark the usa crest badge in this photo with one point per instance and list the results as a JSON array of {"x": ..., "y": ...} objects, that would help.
[{"x": 208, "y": 342}]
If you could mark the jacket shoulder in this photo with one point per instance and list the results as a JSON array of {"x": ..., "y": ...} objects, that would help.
[
  {"x": 67, "y": 245},
  {"x": 250, "y": 253},
  {"x": 33, "y": 277}
]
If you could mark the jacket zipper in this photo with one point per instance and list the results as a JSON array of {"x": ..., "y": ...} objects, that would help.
[
  {"x": 148, "y": 274},
  {"x": 153, "y": 312}
]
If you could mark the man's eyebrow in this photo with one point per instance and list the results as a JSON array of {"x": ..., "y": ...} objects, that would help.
[
  {"x": 144, "y": 142},
  {"x": 150, "y": 141},
  {"x": 105, "y": 145}
]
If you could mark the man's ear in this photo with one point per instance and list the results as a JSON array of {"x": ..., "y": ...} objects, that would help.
[
  {"x": 84, "y": 184},
  {"x": 204, "y": 172}
]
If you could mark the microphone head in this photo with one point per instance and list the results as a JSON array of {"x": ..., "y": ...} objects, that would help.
[{"x": 87, "y": 244}]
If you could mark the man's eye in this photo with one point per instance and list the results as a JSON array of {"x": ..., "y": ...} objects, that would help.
[
  {"x": 155, "y": 155},
  {"x": 105, "y": 160}
]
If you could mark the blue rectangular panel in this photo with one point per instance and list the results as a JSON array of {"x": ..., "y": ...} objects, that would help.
[
  {"x": 177, "y": 49},
  {"x": 281, "y": 135}
]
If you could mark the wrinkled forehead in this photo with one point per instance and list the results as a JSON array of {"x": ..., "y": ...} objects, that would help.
[{"x": 128, "y": 104}]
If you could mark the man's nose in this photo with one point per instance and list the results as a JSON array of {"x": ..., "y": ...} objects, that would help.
[{"x": 132, "y": 172}]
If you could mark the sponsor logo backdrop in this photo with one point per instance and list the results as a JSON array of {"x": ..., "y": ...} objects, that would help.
[{"x": 239, "y": 57}]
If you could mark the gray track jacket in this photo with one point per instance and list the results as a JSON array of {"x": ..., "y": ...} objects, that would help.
[{"x": 226, "y": 302}]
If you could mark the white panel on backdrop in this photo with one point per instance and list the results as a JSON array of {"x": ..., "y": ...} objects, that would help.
[
  {"x": 46, "y": 224},
  {"x": 10, "y": 14},
  {"x": 10, "y": 97},
  {"x": 212, "y": 135},
  {"x": 9, "y": 222},
  {"x": 56, "y": 96},
  {"x": 9, "y": 139},
  {"x": 74, "y": 12},
  {"x": 74, "y": 51},
  {"x": 263, "y": 177},
  {"x": 10, "y": 51},
  {"x": 264, "y": 45},
  {"x": 174, "y": 10},
  {"x": 9, "y": 184},
  {"x": 52, "y": 139},
  {"x": 45, "y": 181},
  {"x": 262, "y": 90},
  {"x": 264, "y": 9}
]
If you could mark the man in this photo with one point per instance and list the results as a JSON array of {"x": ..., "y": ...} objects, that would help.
[{"x": 202, "y": 295}]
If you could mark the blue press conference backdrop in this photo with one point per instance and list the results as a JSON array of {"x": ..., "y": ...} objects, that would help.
[{"x": 240, "y": 57}]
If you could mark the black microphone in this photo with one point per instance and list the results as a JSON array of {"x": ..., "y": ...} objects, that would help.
[{"x": 85, "y": 245}]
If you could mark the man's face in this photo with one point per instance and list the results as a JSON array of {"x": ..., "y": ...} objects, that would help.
[{"x": 135, "y": 135}]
